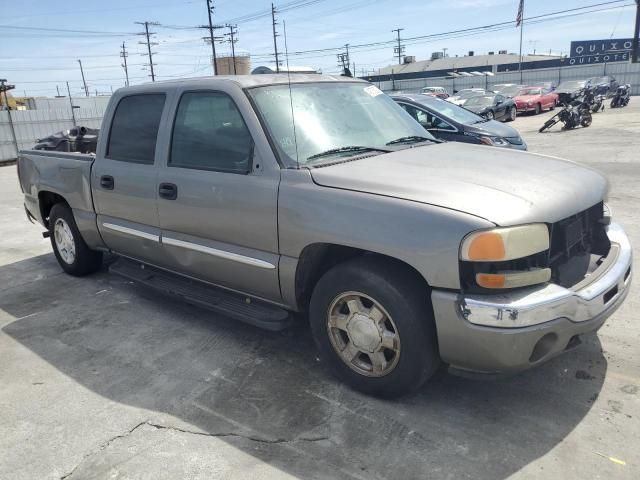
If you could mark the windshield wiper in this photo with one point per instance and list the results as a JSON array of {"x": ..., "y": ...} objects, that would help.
[
  {"x": 410, "y": 139},
  {"x": 351, "y": 148}
]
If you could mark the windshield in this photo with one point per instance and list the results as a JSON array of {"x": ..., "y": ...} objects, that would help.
[
  {"x": 509, "y": 91},
  {"x": 530, "y": 91},
  {"x": 331, "y": 116},
  {"x": 571, "y": 85},
  {"x": 453, "y": 112},
  {"x": 467, "y": 93},
  {"x": 598, "y": 80},
  {"x": 482, "y": 101}
]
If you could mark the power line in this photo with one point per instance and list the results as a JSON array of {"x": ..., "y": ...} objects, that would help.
[
  {"x": 86, "y": 90},
  {"x": 399, "y": 50},
  {"x": 124, "y": 55},
  {"x": 233, "y": 31},
  {"x": 149, "y": 43},
  {"x": 275, "y": 43}
]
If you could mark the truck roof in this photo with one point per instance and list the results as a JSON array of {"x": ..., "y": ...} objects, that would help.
[{"x": 243, "y": 81}]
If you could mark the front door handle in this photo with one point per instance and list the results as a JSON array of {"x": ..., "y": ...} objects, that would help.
[
  {"x": 168, "y": 191},
  {"x": 106, "y": 182}
]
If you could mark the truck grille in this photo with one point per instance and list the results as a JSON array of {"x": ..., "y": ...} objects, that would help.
[{"x": 573, "y": 242}]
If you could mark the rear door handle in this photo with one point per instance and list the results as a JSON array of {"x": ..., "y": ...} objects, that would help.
[
  {"x": 106, "y": 182},
  {"x": 168, "y": 191}
]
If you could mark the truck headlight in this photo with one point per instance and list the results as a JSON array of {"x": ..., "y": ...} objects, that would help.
[
  {"x": 494, "y": 141},
  {"x": 500, "y": 256},
  {"x": 501, "y": 244}
]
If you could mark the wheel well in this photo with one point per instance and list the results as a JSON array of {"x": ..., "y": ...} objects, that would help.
[
  {"x": 316, "y": 259},
  {"x": 47, "y": 200}
]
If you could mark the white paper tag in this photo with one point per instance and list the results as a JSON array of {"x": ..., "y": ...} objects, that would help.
[{"x": 373, "y": 90}]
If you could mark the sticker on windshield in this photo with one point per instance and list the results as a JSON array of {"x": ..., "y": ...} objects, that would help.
[{"x": 373, "y": 90}]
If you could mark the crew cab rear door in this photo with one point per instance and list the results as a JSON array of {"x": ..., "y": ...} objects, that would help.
[
  {"x": 124, "y": 177},
  {"x": 217, "y": 201}
]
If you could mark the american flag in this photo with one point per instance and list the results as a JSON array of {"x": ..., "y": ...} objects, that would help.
[{"x": 519, "y": 16}]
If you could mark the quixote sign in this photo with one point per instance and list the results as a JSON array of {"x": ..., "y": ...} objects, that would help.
[{"x": 584, "y": 52}]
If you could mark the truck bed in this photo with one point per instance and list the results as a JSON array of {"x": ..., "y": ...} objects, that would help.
[{"x": 55, "y": 173}]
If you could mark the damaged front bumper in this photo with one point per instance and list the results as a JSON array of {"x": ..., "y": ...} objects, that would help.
[{"x": 512, "y": 331}]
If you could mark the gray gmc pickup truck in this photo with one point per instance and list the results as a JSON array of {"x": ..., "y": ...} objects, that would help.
[{"x": 259, "y": 197}]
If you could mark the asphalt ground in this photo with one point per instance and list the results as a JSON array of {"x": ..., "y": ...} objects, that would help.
[{"x": 100, "y": 378}]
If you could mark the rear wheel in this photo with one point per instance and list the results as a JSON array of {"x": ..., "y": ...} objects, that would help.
[
  {"x": 70, "y": 249},
  {"x": 373, "y": 325}
]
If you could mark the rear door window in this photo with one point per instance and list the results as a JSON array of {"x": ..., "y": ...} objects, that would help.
[{"x": 134, "y": 128}]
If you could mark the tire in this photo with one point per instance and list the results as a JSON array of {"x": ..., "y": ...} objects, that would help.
[
  {"x": 512, "y": 114},
  {"x": 489, "y": 115},
  {"x": 402, "y": 315},
  {"x": 538, "y": 109},
  {"x": 70, "y": 249},
  {"x": 613, "y": 103},
  {"x": 586, "y": 119}
]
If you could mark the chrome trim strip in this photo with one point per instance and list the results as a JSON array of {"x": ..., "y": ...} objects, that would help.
[
  {"x": 131, "y": 231},
  {"x": 254, "y": 262}
]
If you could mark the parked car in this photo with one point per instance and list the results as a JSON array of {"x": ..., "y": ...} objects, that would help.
[
  {"x": 551, "y": 86},
  {"x": 494, "y": 106},
  {"x": 535, "y": 99},
  {"x": 439, "y": 92},
  {"x": 606, "y": 85},
  {"x": 509, "y": 90},
  {"x": 569, "y": 90},
  {"x": 461, "y": 96},
  {"x": 323, "y": 196},
  {"x": 450, "y": 122}
]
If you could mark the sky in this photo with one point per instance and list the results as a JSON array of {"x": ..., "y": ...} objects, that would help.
[{"x": 36, "y": 58}]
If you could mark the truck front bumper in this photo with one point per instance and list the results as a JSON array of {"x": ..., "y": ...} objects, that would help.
[{"x": 509, "y": 332}]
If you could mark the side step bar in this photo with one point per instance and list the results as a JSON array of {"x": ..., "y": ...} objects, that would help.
[{"x": 230, "y": 304}]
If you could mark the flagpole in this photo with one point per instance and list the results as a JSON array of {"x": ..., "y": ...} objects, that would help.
[{"x": 521, "y": 28}]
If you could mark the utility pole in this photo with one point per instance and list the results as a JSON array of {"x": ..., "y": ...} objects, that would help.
[
  {"x": 212, "y": 38},
  {"x": 275, "y": 43},
  {"x": 149, "y": 44},
  {"x": 636, "y": 34},
  {"x": 233, "y": 31},
  {"x": 73, "y": 115},
  {"x": 399, "y": 50},
  {"x": 86, "y": 90},
  {"x": 3, "y": 90},
  {"x": 58, "y": 90},
  {"x": 124, "y": 55}
]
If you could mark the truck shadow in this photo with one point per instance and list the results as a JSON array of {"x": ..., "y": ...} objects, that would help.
[{"x": 139, "y": 348}]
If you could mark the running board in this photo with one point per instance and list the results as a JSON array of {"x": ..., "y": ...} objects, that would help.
[{"x": 234, "y": 305}]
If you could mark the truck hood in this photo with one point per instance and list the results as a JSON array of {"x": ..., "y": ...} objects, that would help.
[{"x": 503, "y": 186}]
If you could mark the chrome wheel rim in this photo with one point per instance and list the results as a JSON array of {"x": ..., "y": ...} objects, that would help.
[
  {"x": 513, "y": 114},
  {"x": 363, "y": 334},
  {"x": 64, "y": 241},
  {"x": 490, "y": 115}
]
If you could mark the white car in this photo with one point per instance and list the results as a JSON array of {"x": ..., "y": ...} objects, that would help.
[{"x": 461, "y": 96}]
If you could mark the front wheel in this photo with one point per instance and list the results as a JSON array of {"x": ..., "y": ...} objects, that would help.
[
  {"x": 70, "y": 249},
  {"x": 586, "y": 119},
  {"x": 489, "y": 115},
  {"x": 372, "y": 322},
  {"x": 538, "y": 109},
  {"x": 512, "y": 114}
]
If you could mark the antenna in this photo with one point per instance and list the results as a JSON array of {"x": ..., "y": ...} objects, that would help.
[{"x": 293, "y": 119}]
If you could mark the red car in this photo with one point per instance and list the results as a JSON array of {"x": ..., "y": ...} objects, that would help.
[{"x": 535, "y": 99}]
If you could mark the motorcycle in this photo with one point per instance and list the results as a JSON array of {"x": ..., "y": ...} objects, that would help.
[
  {"x": 622, "y": 96},
  {"x": 577, "y": 112},
  {"x": 597, "y": 104}
]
